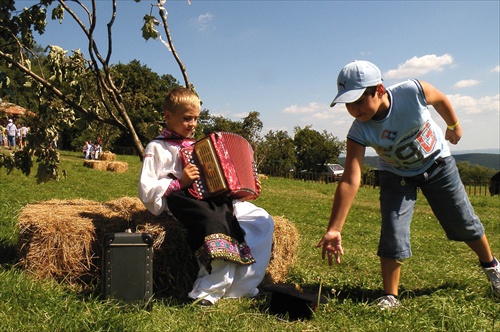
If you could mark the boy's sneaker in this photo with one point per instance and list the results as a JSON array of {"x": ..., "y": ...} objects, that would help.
[
  {"x": 493, "y": 274},
  {"x": 388, "y": 302}
]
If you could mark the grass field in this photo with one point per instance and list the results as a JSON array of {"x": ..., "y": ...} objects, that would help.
[{"x": 442, "y": 287}]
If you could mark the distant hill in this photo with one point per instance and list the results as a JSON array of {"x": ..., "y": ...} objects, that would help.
[
  {"x": 483, "y": 159},
  {"x": 489, "y": 160}
]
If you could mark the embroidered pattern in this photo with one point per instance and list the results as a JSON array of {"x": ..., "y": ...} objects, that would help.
[
  {"x": 221, "y": 246},
  {"x": 176, "y": 139},
  {"x": 174, "y": 186}
]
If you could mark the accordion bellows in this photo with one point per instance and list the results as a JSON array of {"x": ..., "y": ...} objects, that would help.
[{"x": 226, "y": 164}]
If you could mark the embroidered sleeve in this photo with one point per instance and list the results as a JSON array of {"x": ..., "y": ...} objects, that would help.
[{"x": 174, "y": 186}]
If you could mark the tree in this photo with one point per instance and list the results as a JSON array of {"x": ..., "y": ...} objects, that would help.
[
  {"x": 471, "y": 173},
  {"x": 75, "y": 84},
  {"x": 314, "y": 149},
  {"x": 249, "y": 128},
  {"x": 277, "y": 153},
  {"x": 218, "y": 123}
]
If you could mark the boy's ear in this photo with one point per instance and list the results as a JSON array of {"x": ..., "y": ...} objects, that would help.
[
  {"x": 166, "y": 115},
  {"x": 380, "y": 90}
]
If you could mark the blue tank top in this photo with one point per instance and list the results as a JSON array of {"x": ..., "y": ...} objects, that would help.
[{"x": 407, "y": 140}]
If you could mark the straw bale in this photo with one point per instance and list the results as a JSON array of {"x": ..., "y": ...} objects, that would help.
[
  {"x": 107, "y": 155},
  {"x": 104, "y": 165},
  {"x": 283, "y": 255},
  {"x": 55, "y": 242},
  {"x": 96, "y": 164},
  {"x": 117, "y": 166},
  {"x": 63, "y": 239}
]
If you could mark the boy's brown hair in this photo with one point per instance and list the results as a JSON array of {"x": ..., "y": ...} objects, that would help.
[{"x": 180, "y": 97}]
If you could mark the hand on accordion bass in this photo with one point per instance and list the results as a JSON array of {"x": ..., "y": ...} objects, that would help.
[
  {"x": 258, "y": 188},
  {"x": 189, "y": 175}
]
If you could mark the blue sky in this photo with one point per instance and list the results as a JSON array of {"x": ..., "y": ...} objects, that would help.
[{"x": 281, "y": 58}]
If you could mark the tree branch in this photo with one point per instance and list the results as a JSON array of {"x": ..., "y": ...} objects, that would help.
[
  {"x": 59, "y": 94},
  {"x": 163, "y": 14}
]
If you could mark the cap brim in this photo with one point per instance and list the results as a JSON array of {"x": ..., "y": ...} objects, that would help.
[{"x": 348, "y": 96}]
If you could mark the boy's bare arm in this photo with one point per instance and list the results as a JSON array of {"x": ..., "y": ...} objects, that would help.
[
  {"x": 444, "y": 108},
  {"x": 344, "y": 197},
  {"x": 348, "y": 185}
]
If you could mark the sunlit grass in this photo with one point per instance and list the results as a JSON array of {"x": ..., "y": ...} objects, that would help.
[{"x": 442, "y": 287}]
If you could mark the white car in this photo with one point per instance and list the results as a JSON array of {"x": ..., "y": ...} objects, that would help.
[{"x": 333, "y": 171}]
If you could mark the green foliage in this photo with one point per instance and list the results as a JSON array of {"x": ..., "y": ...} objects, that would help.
[
  {"x": 48, "y": 167},
  {"x": 472, "y": 173},
  {"x": 277, "y": 153},
  {"x": 313, "y": 149},
  {"x": 69, "y": 84},
  {"x": 143, "y": 92},
  {"x": 149, "y": 28},
  {"x": 489, "y": 160},
  {"x": 7, "y": 161},
  {"x": 219, "y": 123}
]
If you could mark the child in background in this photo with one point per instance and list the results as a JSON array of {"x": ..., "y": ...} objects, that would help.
[
  {"x": 231, "y": 239},
  {"x": 86, "y": 150},
  {"x": 413, "y": 153}
]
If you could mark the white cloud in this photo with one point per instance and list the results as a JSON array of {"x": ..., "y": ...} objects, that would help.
[
  {"x": 496, "y": 69},
  {"x": 202, "y": 22},
  {"x": 466, "y": 83},
  {"x": 470, "y": 105},
  {"x": 295, "y": 109},
  {"x": 240, "y": 115},
  {"x": 420, "y": 66}
]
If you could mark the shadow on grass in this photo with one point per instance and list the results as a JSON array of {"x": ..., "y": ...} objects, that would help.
[
  {"x": 296, "y": 309},
  {"x": 7, "y": 253},
  {"x": 362, "y": 295}
]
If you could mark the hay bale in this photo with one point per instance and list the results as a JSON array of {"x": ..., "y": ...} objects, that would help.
[
  {"x": 96, "y": 164},
  {"x": 55, "y": 241},
  {"x": 108, "y": 156},
  {"x": 283, "y": 254},
  {"x": 117, "y": 166},
  {"x": 63, "y": 239},
  {"x": 103, "y": 165}
]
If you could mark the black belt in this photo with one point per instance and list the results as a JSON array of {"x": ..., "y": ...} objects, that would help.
[{"x": 439, "y": 162}]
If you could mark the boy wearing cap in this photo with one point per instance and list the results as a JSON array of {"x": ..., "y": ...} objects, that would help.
[{"x": 413, "y": 153}]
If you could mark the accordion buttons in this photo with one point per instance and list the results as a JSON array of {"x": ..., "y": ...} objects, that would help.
[{"x": 199, "y": 186}]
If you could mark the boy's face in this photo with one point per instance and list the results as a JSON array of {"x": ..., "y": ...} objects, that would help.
[
  {"x": 366, "y": 107},
  {"x": 183, "y": 121}
]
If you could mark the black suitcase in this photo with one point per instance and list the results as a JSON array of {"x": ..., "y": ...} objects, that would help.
[{"x": 127, "y": 272}]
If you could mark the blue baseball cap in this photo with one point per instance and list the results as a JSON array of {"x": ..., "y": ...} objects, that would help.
[{"x": 353, "y": 80}]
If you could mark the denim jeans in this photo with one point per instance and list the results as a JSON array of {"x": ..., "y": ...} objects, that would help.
[{"x": 443, "y": 189}]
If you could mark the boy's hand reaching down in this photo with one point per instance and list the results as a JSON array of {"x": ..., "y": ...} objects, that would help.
[{"x": 331, "y": 245}]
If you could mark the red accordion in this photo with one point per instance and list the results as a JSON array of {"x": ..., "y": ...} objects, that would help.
[{"x": 226, "y": 164}]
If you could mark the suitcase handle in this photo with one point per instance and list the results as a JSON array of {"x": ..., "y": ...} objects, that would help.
[{"x": 120, "y": 239}]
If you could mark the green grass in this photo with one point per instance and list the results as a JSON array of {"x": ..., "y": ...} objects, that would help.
[{"x": 442, "y": 287}]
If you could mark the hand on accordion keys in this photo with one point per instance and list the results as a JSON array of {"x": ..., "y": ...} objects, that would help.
[{"x": 189, "y": 175}]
